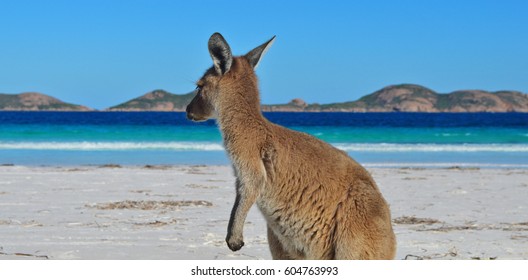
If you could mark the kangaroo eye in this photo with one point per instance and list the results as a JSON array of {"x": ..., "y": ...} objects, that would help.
[{"x": 198, "y": 88}]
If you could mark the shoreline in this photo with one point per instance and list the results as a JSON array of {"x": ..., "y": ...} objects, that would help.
[
  {"x": 219, "y": 163},
  {"x": 181, "y": 212}
]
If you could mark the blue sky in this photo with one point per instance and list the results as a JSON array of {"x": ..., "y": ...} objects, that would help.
[{"x": 101, "y": 53}]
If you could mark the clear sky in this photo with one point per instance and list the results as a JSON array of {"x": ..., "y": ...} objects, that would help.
[{"x": 101, "y": 53}]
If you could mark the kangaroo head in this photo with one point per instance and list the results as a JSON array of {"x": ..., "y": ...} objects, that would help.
[{"x": 222, "y": 80}]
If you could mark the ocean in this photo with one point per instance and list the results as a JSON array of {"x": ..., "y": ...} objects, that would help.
[{"x": 486, "y": 140}]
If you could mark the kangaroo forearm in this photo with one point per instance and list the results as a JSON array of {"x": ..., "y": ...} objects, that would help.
[{"x": 246, "y": 197}]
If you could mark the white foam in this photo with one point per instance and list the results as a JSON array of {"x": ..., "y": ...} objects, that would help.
[
  {"x": 216, "y": 146},
  {"x": 112, "y": 146},
  {"x": 385, "y": 147}
]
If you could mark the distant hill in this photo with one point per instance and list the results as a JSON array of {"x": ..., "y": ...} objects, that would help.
[
  {"x": 33, "y": 101},
  {"x": 416, "y": 98},
  {"x": 395, "y": 98},
  {"x": 157, "y": 100}
]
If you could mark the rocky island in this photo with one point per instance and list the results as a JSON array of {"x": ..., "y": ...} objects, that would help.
[
  {"x": 33, "y": 101},
  {"x": 416, "y": 98},
  {"x": 156, "y": 100}
]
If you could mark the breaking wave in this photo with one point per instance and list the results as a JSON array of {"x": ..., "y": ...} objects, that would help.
[
  {"x": 112, "y": 146},
  {"x": 385, "y": 147},
  {"x": 217, "y": 146}
]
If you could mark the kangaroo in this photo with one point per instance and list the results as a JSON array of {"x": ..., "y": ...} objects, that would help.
[{"x": 317, "y": 201}]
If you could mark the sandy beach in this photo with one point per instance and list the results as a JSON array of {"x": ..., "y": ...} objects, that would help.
[{"x": 181, "y": 212}]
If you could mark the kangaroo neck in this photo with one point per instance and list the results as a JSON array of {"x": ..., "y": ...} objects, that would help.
[{"x": 240, "y": 119}]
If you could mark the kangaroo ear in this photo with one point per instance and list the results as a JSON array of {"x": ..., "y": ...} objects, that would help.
[
  {"x": 257, "y": 53},
  {"x": 220, "y": 53}
]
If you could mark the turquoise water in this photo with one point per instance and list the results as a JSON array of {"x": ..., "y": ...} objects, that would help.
[{"x": 494, "y": 140}]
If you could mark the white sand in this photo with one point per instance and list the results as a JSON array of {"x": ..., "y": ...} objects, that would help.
[{"x": 181, "y": 212}]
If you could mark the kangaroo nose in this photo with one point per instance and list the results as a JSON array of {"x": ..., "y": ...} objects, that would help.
[{"x": 189, "y": 113}]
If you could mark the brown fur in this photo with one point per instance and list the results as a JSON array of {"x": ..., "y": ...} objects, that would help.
[{"x": 317, "y": 201}]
